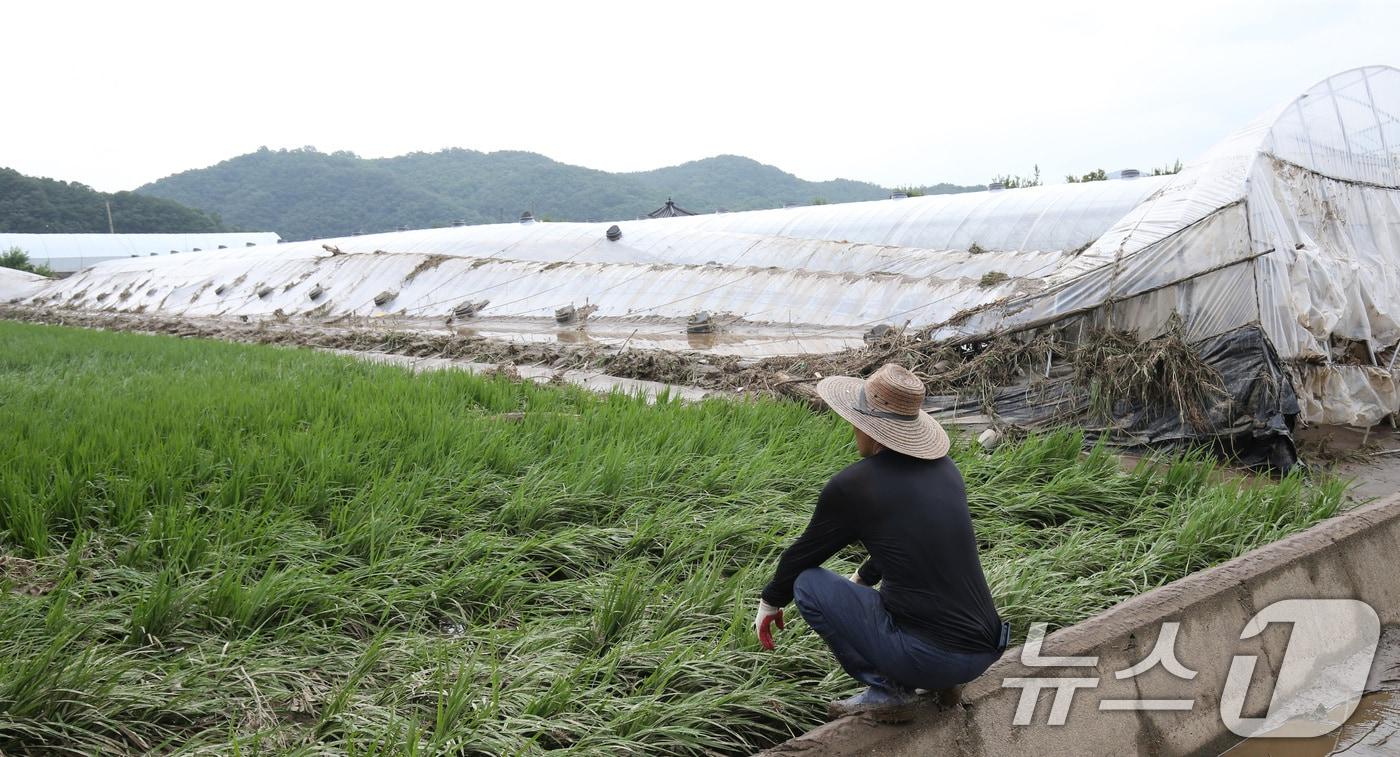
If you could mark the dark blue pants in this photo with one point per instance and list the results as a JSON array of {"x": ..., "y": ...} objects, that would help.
[{"x": 868, "y": 644}]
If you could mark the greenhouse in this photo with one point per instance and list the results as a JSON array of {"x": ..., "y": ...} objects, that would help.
[
  {"x": 16, "y": 284},
  {"x": 67, "y": 253},
  {"x": 1276, "y": 255},
  {"x": 840, "y": 268}
]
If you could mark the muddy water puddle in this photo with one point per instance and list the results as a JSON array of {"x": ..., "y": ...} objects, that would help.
[
  {"x": 1371, "y": 731},
  {"x": 745, "y": 340},
  {"x": 594, "y": 380}
]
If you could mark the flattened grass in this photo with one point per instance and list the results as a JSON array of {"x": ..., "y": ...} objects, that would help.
[{"x": 209, "y": 548}]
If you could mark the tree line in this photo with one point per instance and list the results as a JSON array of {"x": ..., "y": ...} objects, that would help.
[{"x": 32, "y": 205}]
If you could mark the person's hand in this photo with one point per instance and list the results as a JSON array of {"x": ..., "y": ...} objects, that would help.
[
  {"x": 855, "y": 578},
  {"x": 767, "y": 614}
]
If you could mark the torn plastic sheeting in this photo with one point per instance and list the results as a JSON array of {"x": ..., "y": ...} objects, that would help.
[
  {"x": 1217, "y": 179},
  {"x": 1194, "y": 250},
  {"x": 1344, "y": 127},
  {"x": 1347, "y": 395},
  {"x": 1345, "y": 261},
  {"x": 1218, "y": 241},
  {"x": 1212, "y": 300},
  {"x": 1333, "y": 266}
]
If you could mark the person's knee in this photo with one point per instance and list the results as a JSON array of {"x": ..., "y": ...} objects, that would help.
[{"x": 806, "y": 590}]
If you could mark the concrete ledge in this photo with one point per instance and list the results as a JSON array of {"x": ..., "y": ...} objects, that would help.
[{"x": 1346, "y": 557}]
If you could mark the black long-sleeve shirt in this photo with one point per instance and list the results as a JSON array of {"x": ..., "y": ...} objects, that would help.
[{"x": 912, "y": 517}]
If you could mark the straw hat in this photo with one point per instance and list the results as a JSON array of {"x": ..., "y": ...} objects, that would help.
[{"x": 889, "y": 407}]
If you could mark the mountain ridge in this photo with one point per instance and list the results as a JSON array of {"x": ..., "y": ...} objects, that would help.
[{"x": 304, "y": 193}]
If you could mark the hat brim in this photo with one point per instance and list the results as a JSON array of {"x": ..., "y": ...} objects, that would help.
[{"x": 922, "y": 437}]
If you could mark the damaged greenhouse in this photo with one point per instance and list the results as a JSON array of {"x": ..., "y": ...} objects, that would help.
[{"x": 1254, "y": 289}]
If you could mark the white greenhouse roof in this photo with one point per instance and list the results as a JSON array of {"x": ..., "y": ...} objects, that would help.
[
  {"x": 1054, "y": 217},
  {"x": 17, "y": 284},
  {"x": 66, "y": 253},
  {"x": 916, "y": 236}
]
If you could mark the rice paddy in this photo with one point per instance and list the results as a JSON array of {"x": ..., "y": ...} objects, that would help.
[{"x": 211, "y": 548}]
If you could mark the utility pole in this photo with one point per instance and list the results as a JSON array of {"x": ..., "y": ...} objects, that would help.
[{"x": 110, "y": 228}]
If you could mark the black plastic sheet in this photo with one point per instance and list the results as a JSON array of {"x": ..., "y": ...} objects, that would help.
[{"x": 1252, "y": 420}]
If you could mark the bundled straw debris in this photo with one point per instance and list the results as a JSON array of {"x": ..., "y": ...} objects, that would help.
[
  {"x": 1115, "y": 371},
  {"x": 1159, "y": 374}
]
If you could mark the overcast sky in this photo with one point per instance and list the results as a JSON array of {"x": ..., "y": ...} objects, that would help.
[{"x": 118, "y": 94}]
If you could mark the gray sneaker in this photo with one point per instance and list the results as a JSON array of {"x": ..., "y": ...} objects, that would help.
[{"x": 881, "y": 704}]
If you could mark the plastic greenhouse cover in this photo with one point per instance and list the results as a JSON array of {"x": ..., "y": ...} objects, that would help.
[
  {"x": 1055, "y": 217},
  {"x": 1292, "y": 223},
  {"x": 18, "y": 284},
  {"x": 66, "y": 253},
  {"x": 753, "y": 268},
  {"x": 1306, "y": 199},
  {"x": 1345, "y": 128},
  {"x": 520, "y": 289}
]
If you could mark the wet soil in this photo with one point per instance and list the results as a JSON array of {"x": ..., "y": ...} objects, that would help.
[
  {"x": 599, "y": 382},
  {"x": 787, "y": 375},
  {"x": 1369, "y": 458},
  {"x": 1372, "y": 730}
]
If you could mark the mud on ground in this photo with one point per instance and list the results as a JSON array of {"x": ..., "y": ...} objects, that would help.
[
  {"x": 787, "y": 376},
  {"x": 1369, "y": 458}
]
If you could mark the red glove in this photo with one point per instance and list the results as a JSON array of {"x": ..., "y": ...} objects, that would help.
[{"x": 767, "y": 614}]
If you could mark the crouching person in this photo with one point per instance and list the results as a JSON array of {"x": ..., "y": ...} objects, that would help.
[{"x": 932, "y": 624}]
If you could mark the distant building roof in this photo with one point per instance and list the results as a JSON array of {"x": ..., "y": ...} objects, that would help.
[
  {"x": 669, "y": 210},
  {"x": 66, "y": 253}
]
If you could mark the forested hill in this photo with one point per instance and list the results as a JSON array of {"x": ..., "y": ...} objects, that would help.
[
  {"x": 30, "y": 205},
  {"x": 303, "y": 194}
]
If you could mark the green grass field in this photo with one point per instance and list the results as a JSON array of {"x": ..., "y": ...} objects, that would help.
[{"x": 223, "y": 549}]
